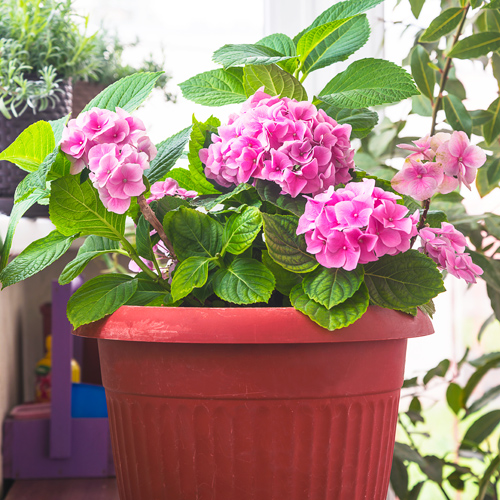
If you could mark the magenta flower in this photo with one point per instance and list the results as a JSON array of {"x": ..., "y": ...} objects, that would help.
[
  {"x": 460, "y": 159},
  {"x": 73, "y": 141},
  {"x": 126, "y": 181}
]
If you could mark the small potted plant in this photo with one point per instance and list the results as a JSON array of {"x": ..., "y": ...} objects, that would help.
[
  {"x": 256, "y": 348},
  {"x": 42, "y": 46}
]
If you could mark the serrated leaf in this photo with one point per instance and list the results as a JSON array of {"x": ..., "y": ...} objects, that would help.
[
  {"x": 169, "y": 151},
  {"x": 369, "y": 82},
  {"x": 58, "y": 127},
  {"x": 422, "y": 73},
  {"x": 476, "y": 45},
  {"x": 99, "y": 297},
  {"x": 343, "y": 42},
  {"x": 31, "y": 147},
  {"x": 143, "y": 239},
  {"x": 446, "y": 22},
  {"x": 167, "y": 204},
  {"x": 210, "y": 202},
  {"x": 93, "y": 246},
  {"x": 60, "y": 168},
  {"x": 435, "y": 218},
  {"x": 186, "y": 180},
  {"x": 276, "y": 82},
  {"x": 127, "y": 93},
  {"x": 330, "y": 287},
  {"x": 340, "y": 10},
  {"x": 285, "y": 247},
  {"x": 361, "y": 120},
  {"x": 285, "y": 280},
  {"x": 35, "y": 257},
  {"x": 241, "y": 229},
  {"x": 456, "y": 114},
  {"x": 270, "y": 191},
  {"x": 76, "y": 208},
  {"x": 190, "y": 273},
  {"x": 244, "y": 281},
  {"x": 215, "y": 88},
  {"x": 337, "y": 317},
  {"x": 242, "y": 54},
  {"x": 193, "y": 233},
  {"x": 148, "y": 293},
  {"x": 284, "y": 45},
  {"x": 491, "y": 129},
  {"x": 200, "y": 136},
  {"x": 404, "y": 280},
  {"x": 480, "y": 430},
  {"x": 18, "y": 211}
]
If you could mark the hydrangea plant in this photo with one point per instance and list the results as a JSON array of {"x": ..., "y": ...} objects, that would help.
[{"x": 272, "y": 210}]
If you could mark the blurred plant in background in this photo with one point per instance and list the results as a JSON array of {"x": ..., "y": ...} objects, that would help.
[{"x": 471, "y": 469}]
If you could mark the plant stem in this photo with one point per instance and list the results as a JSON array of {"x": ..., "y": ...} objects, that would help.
[
  {"x": 135, "y": 257},
  {"x": 446, "y": 70},
  {"x": 150, "y": 216},
  {"x": 444, "y": 492}
]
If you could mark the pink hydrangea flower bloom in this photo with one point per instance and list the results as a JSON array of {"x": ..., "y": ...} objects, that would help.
[
  {"x": 314, "y": 150},
  {"x": 73, "y": 141},
  {"x": 169, "y": 187},
  {"x": 460, "y": 159},
  {"x": 418, "y": 180}
]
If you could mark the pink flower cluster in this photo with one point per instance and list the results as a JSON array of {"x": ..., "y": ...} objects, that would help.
[
  {"x": 169, "y": 187},
  {"x": 438, "y": 164},
  {"x": 291, "y": 143},
  {"x": 356, "y": 225},
  {"x": 446, "y": 247},
  {"x": 115, "y": 147}
]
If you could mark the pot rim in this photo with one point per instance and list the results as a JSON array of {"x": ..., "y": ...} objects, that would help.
[{"x": 254, "y": 325}]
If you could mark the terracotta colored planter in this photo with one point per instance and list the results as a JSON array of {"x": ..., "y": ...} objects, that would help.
[{"x": 252, "y": 403}]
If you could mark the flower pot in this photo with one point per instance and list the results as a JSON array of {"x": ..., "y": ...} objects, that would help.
[
  {"x": 83, "y": 93},
  {"x": 252, "y": 403},
  {"x": 10, "y": 174}
]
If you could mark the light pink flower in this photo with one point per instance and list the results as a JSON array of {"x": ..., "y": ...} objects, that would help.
[
  {"x": 169, "y": 187},
  {"x": 126, "y": 181},
  {"x": 418, "y": 180}
]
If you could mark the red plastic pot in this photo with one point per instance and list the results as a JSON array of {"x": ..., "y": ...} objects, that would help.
[{"x": 252, "y": 403}]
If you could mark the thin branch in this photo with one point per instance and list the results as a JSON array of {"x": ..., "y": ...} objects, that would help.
[{"x": 150, "y": 216}]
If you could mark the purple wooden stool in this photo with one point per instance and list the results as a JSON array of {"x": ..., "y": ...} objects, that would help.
[{"x": 58, "y": 445}]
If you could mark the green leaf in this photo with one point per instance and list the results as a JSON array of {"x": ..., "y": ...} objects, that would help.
[
  {"x": 284, "y": 45},
  {"x": 60, "y": 168},
  {"x": 143, "y": 239},
  {"x": 185, "y": 180},
  {"x": 422, "y": 73},
  {"x": 494, "y": 4},
  {"x": 244, "y": 281},
  {"x": 344, "y": 41},
  {"x": 491, "y": 129},
  {"x": 169, "y": 151},
  {"x": 93, "y": 246},
  {"x": 167, "y": 204},
  {"x": 215, "y": 88},
  {"x": 446, "y": 22},
  {"x": 200, "y": 137},
  {"x": 241, "y": 229},
  {"x": 286, "y": 247},
  {"x": 99, "y": 297},
  {"x": 193, "y": 233},
  {"x": 36, "y": 257},
  {"x": 361, "y": 120},
  {"x": 31, "y": 147},
  {"x": 340, "y": 10},
  {"x": 270, "y": 191},
  {"x": 488, "y": 176},
  {"x": 421, "y": 105},
  {"x": 338, "y": 316},
  {"x": 399, "y": 478},
  {"x": 406, "y": 453},
  {"x": 480, "y": 430},
  {"x": 190, "y": 273},
  {"x": 148, "y": 293},
  {"x": 210, "y": 202},
  {"x": 454, "y": 397},
  {"x": 369, "y": 82},
  {"x": 274, "y": 80},
  {"x": 57, "y": 128},
  {"x": 435, "y": 217},
  {"x": 240, "y": 55},
  {"x": 404, "y": 280},
  {"x": 485, "y": 480},
  {"x": 18, "y": 211},
  {"x": 486, "y": 398},
  {"x": 330, "y": 287},
  {"x": 128, "y": 93},
  {"x": 285, "y": 280},
  {"x": 438, "y": 371},
  {"x": 476, "y": 45},
  {"x": 416, "y": 7},
  {"x": 76, "y": 208},
  {"x": 456, "y": 114}
]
